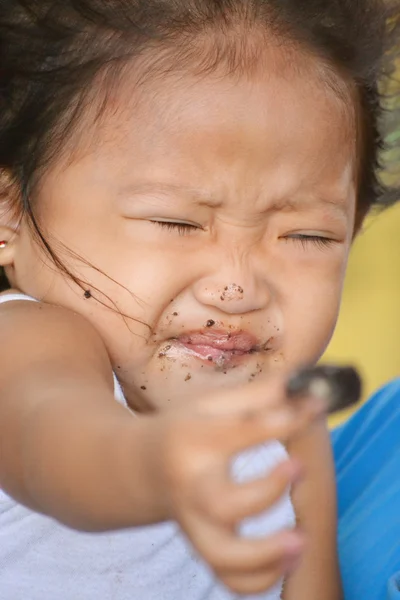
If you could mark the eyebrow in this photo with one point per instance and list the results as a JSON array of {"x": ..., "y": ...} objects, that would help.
[
  {"x": 203, "y": 198},
  {"x": 198, "y": 196},
  {"x": 339, "y": 204}
]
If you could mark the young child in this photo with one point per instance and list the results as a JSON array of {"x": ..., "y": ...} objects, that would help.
[{"x": 180, "y": 184}]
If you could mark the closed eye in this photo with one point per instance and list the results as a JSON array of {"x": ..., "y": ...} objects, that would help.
[
  {"x": 180, "y": 227},
  {"x": 305, "y": 240}
]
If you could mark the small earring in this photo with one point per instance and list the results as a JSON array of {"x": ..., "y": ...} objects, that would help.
[{"x": 3, "y": 244}]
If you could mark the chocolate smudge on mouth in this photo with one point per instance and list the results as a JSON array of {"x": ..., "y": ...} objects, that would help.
[
  {"x": 258, "y": 371},
  {"x": 210, "y": 323},
  {"x": 267, "y": 347},
  {"x": 230, "y": 344},
  {"x": 164, "y": 351}
]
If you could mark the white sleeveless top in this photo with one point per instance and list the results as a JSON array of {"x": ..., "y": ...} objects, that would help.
[{"x": 40, "y": 559}]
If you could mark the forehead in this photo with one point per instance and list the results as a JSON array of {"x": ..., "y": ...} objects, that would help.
[{"x": 283, "y": 126}]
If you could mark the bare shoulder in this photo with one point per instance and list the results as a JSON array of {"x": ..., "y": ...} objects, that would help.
[{"x": 33, "y": 332}]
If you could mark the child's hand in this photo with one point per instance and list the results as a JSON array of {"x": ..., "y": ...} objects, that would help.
[{"x": 195, "y": 446}]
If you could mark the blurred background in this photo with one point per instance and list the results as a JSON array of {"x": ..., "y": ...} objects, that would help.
[{"x": 368, "y": 331}]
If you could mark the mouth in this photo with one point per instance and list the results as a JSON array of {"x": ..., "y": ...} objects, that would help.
[{"x": 218, "y": 348}]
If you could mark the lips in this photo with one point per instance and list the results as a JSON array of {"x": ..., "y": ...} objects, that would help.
[
  {"x": 218, "y": 347},
  {"x": 240, "y": 341}
]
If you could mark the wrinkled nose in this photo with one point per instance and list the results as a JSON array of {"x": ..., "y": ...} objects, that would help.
[{"x": 244, "y": 292}]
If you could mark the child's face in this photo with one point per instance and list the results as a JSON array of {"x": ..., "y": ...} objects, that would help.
[{"x": 203, "y": 213}]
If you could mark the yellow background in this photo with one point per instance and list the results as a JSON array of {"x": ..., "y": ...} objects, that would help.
[{"x": 368, "y": 330}]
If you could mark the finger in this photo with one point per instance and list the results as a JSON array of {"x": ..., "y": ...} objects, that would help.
[
  {"x": 261, "y": 580},
  {"x": 225, "y": 551},
  {"x": 228, "y": 503},
  {"x": 252, "y": 429},
  {"x": 249, "y": 398},
  {"x": 259, "y": 398},
  {"x": 245, "y": 555},
  {"x": 254, "y": 583}
]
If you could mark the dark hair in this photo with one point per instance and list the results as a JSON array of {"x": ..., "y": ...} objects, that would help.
[{"x": 52, "y": 52}]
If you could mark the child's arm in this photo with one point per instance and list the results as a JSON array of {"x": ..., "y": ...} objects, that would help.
[
  {"x": 66, "y": 445},
  {"x": 69, "y": 450},
  {"x": 314, "y": 500}
]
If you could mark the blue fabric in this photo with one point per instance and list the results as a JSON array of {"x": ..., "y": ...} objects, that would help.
[{"x": 367, "y": 457}]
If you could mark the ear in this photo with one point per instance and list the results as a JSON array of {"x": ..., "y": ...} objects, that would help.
[{"x": 10, "y": 217}]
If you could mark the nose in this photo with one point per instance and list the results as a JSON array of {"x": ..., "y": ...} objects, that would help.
[{"x": 237, "y": 287}]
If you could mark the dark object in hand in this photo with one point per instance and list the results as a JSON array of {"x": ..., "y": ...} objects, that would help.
[{"x": 340, "y": 387}]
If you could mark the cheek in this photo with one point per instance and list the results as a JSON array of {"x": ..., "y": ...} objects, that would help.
[
  {"x": 311, "y": 311},
  {"x": 316, "y": 314},
  {"x": 146, "y": 282},
  {"x": 128, "y": 274}
]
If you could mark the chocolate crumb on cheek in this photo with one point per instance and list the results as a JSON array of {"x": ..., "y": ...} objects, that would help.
[
  {"x": 188, "y": 377},
  {"x": 143, "y": 387},
  {"x": 210, "y": 323}
]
